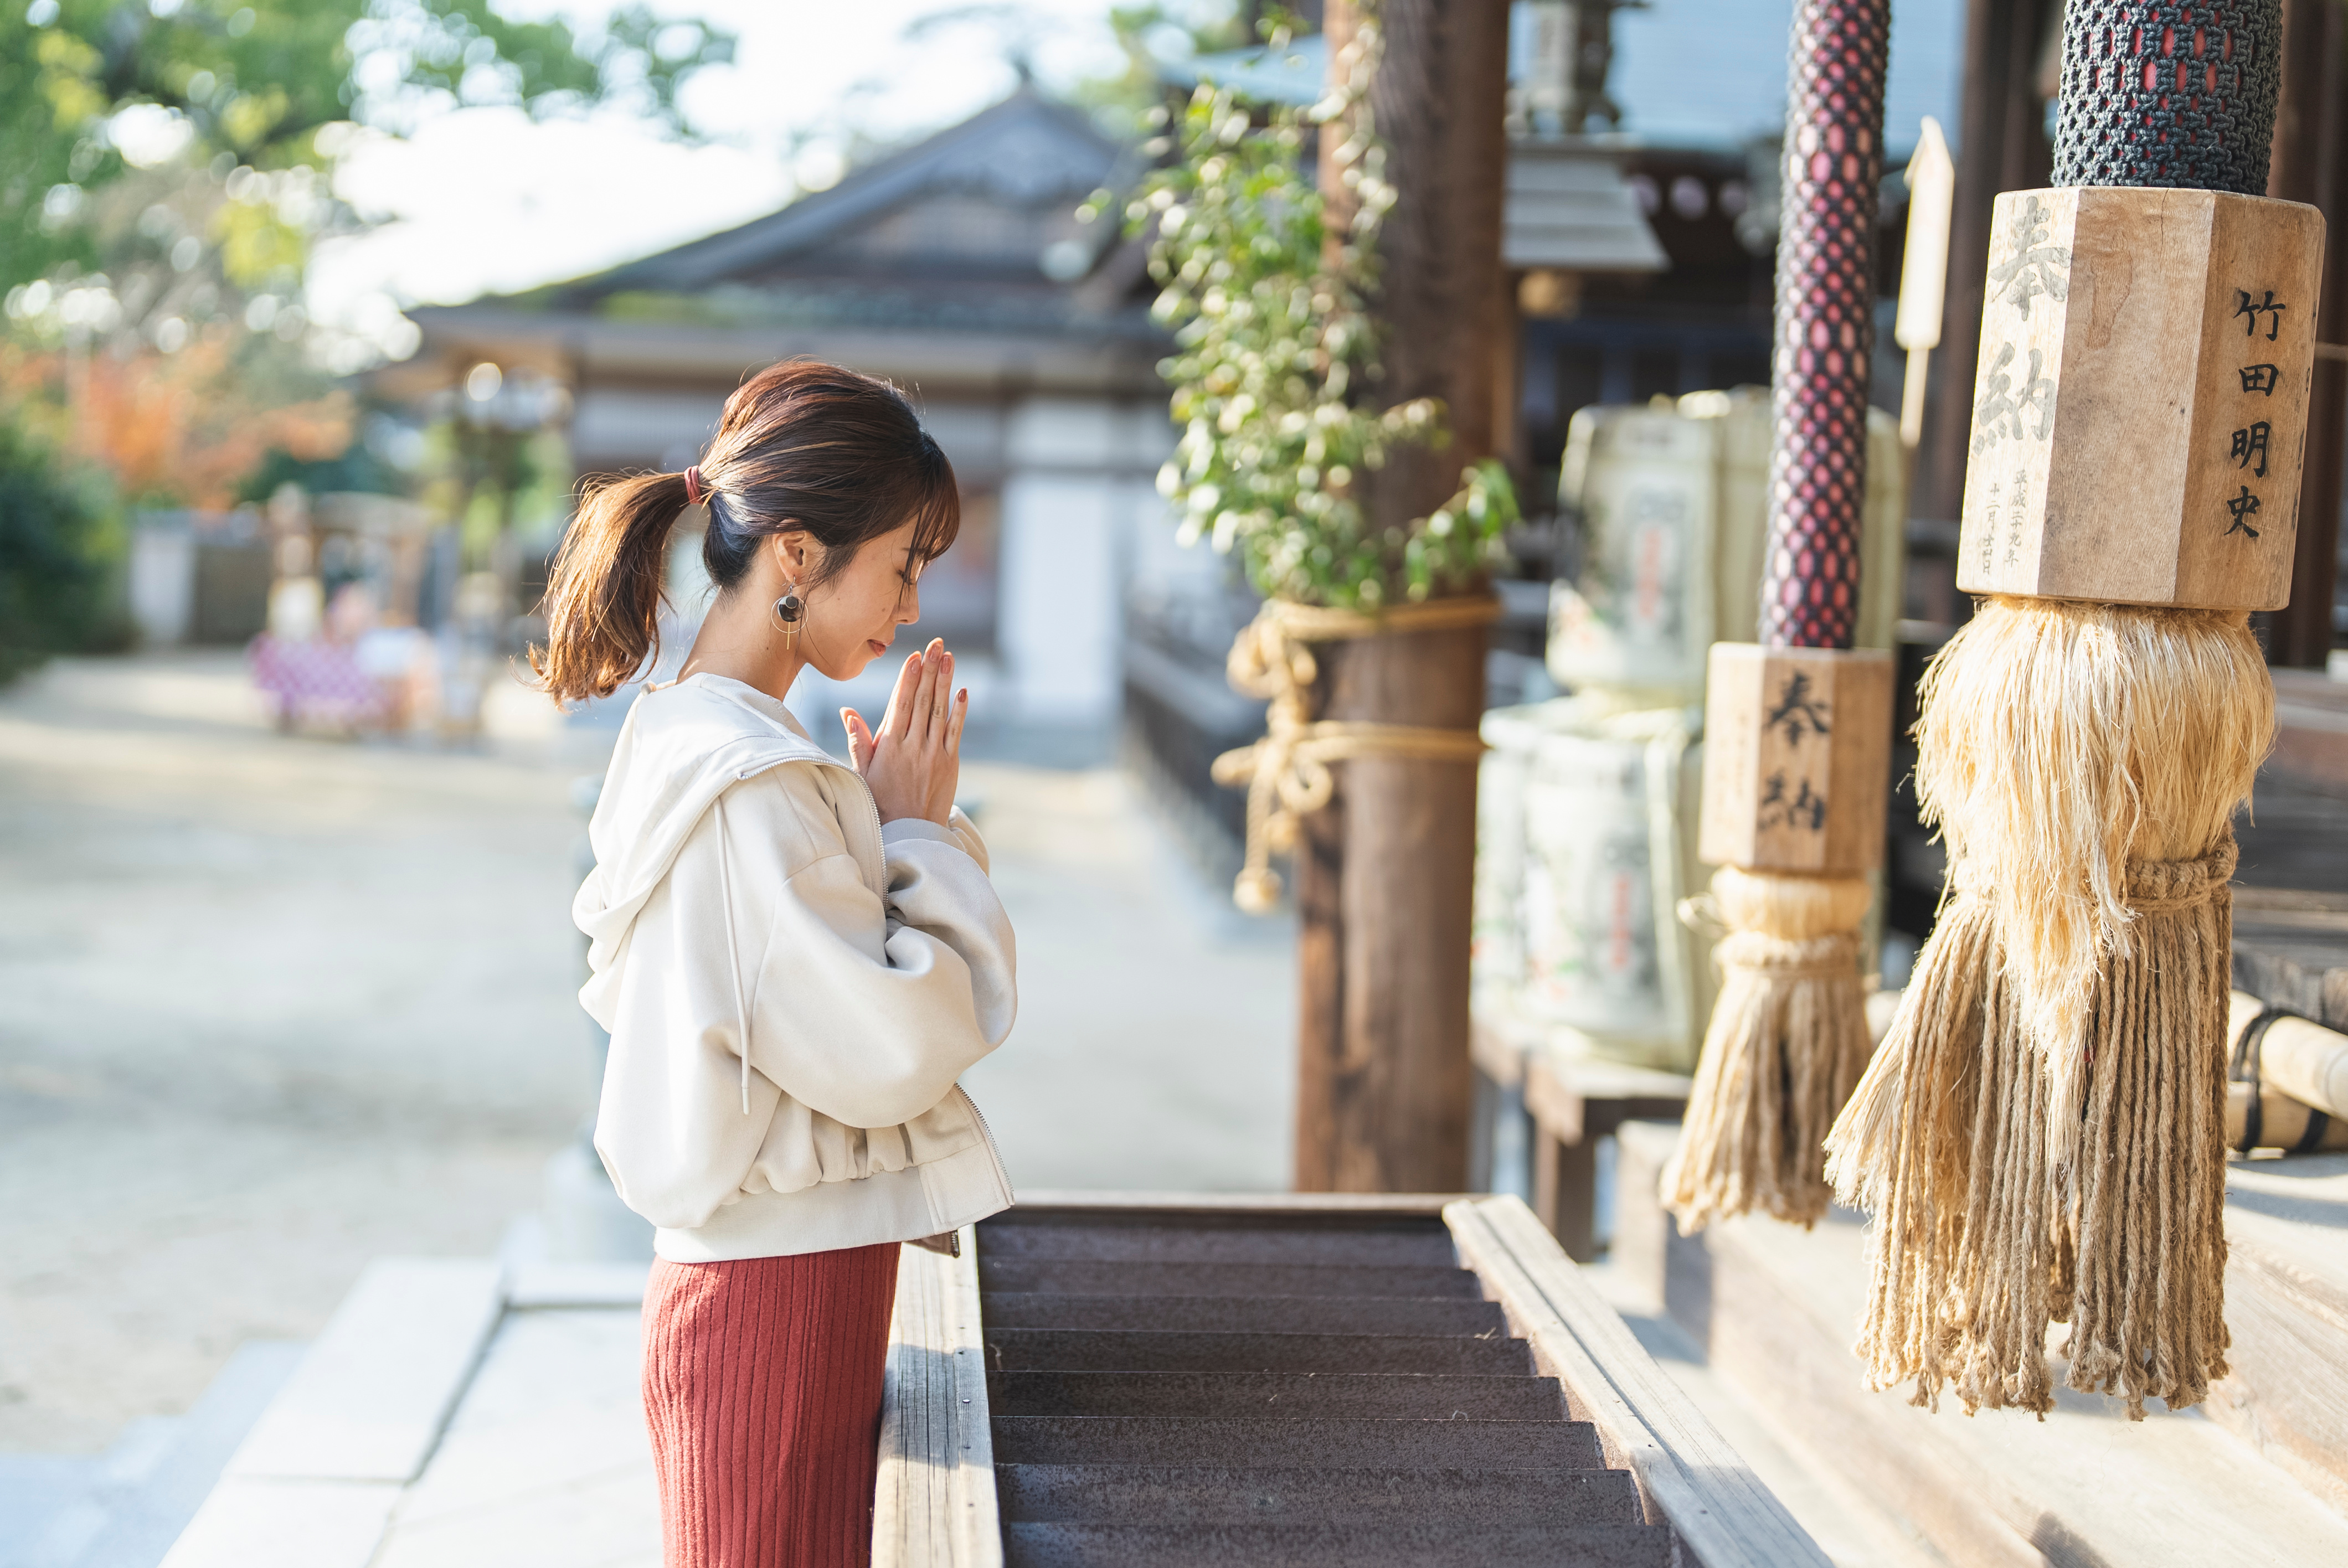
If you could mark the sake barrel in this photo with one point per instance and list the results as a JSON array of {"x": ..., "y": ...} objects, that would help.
[
  {"x": 1592, "y": 956},
  {"x": 1497, "y": 940},
  {"x": 1741, "y": 525},
  {"x": 1637, "y": 614},
  {"x": 1495, "y": 946}
]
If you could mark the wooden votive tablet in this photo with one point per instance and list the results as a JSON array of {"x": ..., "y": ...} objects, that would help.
[
  {"x": 2140, "y": 403},
  {"x": 1797, "y": 758}
]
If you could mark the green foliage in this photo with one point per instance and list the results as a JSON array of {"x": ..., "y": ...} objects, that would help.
[
  {"x": 357, "y": 469},
  {"x": 58, "y": 555},
  {"x": 1143, "y": 32},
  {"x": 253, "y": 84},
  {"x": 1276, "y": 351}
]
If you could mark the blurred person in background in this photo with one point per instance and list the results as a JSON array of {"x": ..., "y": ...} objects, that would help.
[{"x": 796, "y": 956}]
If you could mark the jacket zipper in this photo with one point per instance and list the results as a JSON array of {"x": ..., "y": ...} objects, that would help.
[
  {"x": 872, "y": 809},
  {"x": 986, "y": 1135}
]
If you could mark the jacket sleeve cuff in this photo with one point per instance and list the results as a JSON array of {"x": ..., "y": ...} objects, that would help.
[{"x": 911, "y": 827}]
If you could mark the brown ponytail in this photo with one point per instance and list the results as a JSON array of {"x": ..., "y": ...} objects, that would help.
[
  {"x": 802, "y": 445},
  {"x": 603, "y": 594}
]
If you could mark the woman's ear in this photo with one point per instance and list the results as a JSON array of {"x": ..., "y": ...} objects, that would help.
[{"x": 796, "y": 552}]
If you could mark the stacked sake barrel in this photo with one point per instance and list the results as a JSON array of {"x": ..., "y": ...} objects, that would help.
[{"x": 1587, "y": 805}]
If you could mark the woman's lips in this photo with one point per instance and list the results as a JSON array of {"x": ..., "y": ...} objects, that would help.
[{"x": 877, "y": 646}]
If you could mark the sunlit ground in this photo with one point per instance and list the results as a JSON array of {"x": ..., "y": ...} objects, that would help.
[{"x": 270, "y": 1006}]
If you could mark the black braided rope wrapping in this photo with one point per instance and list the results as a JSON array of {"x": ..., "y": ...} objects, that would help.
[
  {"x": 1825, "y": 323},
  {"x": 2175, "y": 93}
]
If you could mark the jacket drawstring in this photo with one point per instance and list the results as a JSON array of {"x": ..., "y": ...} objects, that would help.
[{"x": 733, "y": 952}]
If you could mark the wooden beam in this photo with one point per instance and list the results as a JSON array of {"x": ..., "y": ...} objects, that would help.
[
  {"x": 933, "y": 1501},
  {"x": 1771, "y": 1306},
  {"x": 1689, "y": 1478},
  {"x": 1413, "y": 1205},
  {"x": 2310, "y": 165}
]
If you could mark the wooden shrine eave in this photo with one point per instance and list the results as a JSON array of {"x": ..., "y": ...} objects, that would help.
[
  {"x": 1568, "y": 207},
  {"x": 1023, "y": 154},
  {"x": 584, "y": 349}
]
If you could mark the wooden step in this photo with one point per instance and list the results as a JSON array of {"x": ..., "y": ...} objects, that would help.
[
  {"x": 1774, "y": 1309},
  {"x": 1419, "y": 1246},
  {"x": 1081, "y": 1277},
  {"x": 1356, "y": 1443},
  {"x": 1245, "y": 1315},
  {"x": 1086, "y": 1350},
  {"x": 2286, "y": 1308},
  {"x": 1276, "y": 1494},
  {"x": 1428, "y": 1542},
  {"x": 1359, "y": 1380},
  {"x": 1231, "y": 1394}
]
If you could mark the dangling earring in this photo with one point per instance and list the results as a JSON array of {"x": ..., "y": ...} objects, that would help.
[{"x": 789, "y": 611}]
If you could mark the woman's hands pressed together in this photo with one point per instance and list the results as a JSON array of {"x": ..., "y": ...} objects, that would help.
[{"x": 912, "y": 765}]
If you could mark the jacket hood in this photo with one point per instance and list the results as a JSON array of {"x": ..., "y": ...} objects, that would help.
[{"x": 681, "y": 748}]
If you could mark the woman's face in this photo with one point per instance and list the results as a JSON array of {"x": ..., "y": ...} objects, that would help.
[{"x": 851, "y": 620}]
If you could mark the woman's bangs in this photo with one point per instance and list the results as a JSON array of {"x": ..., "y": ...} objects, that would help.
[{"x": 937, "y": 517}]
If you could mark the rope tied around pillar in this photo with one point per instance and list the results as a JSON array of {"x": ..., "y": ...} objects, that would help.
[{"x": 1286, "y": 773}]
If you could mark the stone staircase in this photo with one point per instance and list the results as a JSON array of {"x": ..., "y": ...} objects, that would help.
[{"x": 124, "y": 1508}]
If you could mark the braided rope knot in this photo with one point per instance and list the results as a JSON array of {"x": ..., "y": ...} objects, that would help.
[
  {"x": 1287, "y": 772},
  {"x": 2159, "y": 887},
  {"x": 1834, "y": 954},
  {"x": 2154, "y": 886}
]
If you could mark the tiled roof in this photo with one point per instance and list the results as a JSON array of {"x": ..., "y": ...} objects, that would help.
[{"x": 1691, "y": 73}]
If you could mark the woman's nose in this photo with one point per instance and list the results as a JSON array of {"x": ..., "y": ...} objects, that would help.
[{"x": 909, "y": 608}]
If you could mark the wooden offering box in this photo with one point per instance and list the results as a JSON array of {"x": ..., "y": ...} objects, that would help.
[
  {"x": 2140, "y": 405},
  {"x": 1797, "y": 759}
]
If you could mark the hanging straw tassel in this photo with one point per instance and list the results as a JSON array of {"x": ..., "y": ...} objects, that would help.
[
  {"x": 1901, "y": 1149},
  {"x": 2149, "y": 1318},
  {"x": 2042, "y": 1136},
  {"x": 1797, "y": 728},
  {"x": 2060, "y": 740},
  {"x": 1787, "y": 1043}
]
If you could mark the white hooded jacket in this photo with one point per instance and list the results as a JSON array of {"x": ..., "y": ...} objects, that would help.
[{"x": 792, "y": 988}]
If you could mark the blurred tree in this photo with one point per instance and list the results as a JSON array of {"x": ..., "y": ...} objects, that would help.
[
  {"x": 165, "y": 168},
  {"x": 1161, "y": 31},
  {"x": 89, "y": 87},
  {"x": 179, "y": 429},
  {"x": 58, "y": 552},
  {"x": 358, "y": 466}
]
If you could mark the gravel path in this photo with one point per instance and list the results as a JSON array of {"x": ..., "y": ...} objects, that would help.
[{"x": 271, "y": 1007}]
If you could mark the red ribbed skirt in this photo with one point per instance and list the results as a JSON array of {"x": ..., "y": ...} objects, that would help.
[{"x": 762, "y": 1387}]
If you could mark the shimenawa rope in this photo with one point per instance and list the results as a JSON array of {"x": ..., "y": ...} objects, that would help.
[
  {"x": 1287, "y": 772},
  {"x": 1787, "y": 1038}
]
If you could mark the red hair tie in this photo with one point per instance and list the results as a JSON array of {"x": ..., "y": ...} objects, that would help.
[{"x": 693, "y": 487}]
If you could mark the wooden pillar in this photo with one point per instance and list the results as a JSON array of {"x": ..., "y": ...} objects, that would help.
[
  {"x": 2310, "y": 165},
  {"x": 1383, "y": 888},
  {"x": 2002, "y": 145},
  {"x": 1383, "y": 873}
]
